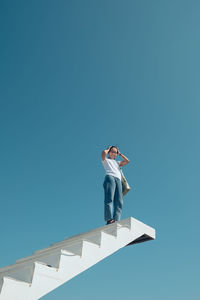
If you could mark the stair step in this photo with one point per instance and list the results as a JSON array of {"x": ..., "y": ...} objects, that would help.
[{"x": 14, "y": 289}]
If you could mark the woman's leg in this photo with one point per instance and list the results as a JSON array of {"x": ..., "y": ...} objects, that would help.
[
  {"x": 109, "y": 191},
  {"x": 118, "y": 200}
]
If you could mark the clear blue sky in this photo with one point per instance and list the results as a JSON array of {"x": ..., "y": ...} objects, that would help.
[{"x": 76, "y": 77}]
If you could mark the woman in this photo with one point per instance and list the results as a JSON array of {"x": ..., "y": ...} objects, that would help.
[{"x": 113, "y": 200}]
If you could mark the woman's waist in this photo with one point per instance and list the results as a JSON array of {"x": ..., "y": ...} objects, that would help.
[{"x": 113, "y": 176}]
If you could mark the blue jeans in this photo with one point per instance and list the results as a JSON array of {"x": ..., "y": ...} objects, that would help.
[{"x": 113, "y": 200}]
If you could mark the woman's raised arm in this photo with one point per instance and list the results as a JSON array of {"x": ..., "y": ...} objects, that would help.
[
  {"x": 125, "y": 160},
  {"x": 104, "y": 153}
]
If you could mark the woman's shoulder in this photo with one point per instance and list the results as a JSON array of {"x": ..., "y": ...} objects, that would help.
[{"x": 105, "y": 160}]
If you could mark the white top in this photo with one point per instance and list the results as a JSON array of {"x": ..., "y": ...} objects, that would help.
[{"x": 112, "y": 167}]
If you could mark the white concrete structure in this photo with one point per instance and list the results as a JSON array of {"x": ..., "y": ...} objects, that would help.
[{"x": 33, "y": 277}]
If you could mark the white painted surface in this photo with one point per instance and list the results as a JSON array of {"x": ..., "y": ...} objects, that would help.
[{"x": 33, "y": 277}]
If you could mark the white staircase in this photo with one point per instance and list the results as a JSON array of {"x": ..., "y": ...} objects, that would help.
[{"x": 33, "y": 277}]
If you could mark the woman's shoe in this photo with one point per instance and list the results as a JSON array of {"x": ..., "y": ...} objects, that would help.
[{"x": 110, "y": 221}]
